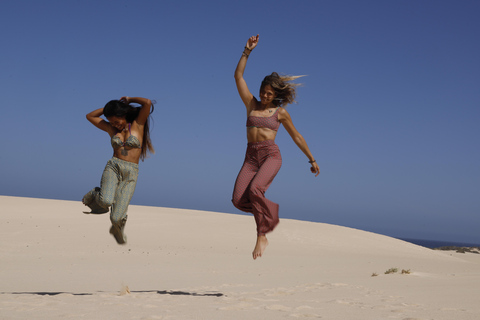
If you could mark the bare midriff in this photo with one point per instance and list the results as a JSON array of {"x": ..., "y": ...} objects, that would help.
[{"x": 255, "y": 134}]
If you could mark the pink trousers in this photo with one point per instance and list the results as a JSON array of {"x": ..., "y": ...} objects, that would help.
[{"x": 261, "y": 165}]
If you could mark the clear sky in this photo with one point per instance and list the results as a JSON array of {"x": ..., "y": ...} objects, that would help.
[{"x": 390, "y": 106}]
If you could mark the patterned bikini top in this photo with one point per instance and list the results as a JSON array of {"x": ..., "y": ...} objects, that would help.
[
  {"x": 264, "y": 122},
  {"x": 131, "y": 142}
]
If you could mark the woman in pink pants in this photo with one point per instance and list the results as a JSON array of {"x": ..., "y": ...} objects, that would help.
[{"x": 263, "y": 159}]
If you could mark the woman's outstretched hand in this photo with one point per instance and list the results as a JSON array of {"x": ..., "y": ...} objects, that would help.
[
  {"x": 315, "y": 169},
  {"x": 252, "y": 42}
]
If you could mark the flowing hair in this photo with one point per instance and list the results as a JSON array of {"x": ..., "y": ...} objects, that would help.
[
  {"x": 285, "y": 90},
  {"x": 121, "y": 109}
]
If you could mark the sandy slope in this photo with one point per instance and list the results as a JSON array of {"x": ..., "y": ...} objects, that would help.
[{"x": 58, "y": 263}]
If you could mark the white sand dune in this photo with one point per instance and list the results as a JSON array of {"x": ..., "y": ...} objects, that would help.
[{"x": 58, "y": 263}]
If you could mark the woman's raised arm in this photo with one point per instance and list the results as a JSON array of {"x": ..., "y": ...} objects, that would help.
[
  {"x": 243, "y": 91},
  {"x": 95, "y": 118},
  {"x": 145, "y": 109}
]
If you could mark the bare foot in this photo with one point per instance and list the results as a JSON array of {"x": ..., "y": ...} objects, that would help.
[{"x": 262, "y": 243}]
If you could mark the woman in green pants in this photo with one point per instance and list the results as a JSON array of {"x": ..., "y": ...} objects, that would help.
[{"x": 128, "y": 128}]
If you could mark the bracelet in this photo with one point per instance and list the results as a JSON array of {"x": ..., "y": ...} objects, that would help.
[
  {"x": 245, "y": 54},
  {"x": 312, "y": 161},
  {"x": 247, "y": 49}
]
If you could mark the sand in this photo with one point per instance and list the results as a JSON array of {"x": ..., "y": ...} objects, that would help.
[{"x": 58, "y": 263}]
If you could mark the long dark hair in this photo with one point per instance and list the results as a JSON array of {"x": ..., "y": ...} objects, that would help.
[{"x": 117, "y": 108}]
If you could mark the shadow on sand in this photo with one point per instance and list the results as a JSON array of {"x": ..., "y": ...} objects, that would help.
[
  {"x": 49, "y": 293},
  {"x": 169, "y": 292},
  {"x": 183, "y": 293}
]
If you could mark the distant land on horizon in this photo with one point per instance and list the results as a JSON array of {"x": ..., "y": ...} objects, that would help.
[{"x": 432, "y": 244}]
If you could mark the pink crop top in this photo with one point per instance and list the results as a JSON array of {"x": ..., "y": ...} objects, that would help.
[{"x": 264, "y": 122}]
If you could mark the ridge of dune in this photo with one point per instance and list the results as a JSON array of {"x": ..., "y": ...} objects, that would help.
[{"x": 53, "y": 253}]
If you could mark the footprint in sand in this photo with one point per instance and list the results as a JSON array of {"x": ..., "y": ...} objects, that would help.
[
  {"x": 278, "y": 307},
  {"x": 236, "y": 307},
  {"x": 303, "y": 308},
  {"x": 305, "y": 315},
  {"x": 278, "y": 292}
]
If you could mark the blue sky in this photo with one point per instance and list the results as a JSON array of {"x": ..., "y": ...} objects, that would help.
[{"x": 390, "y": 106}]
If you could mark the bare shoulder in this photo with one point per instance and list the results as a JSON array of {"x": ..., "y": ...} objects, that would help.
[{"x": 283, "y": 114}]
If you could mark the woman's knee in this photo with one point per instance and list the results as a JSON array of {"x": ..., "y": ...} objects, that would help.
[
  {"x": 256, "y": 190},
  {"x": 104, "y": 200},
  {"x": 242, "y": 203},
  {"x": 237, "y": 202}
]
